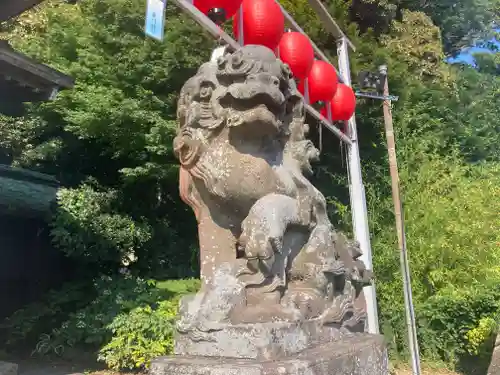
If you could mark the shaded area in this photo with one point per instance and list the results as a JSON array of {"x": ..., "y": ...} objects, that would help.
[
  {"x": 12, "y": 8},
  {"x": 30, "y": 266}
]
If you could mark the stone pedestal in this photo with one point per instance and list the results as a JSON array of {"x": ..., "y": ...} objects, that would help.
[
  {"x": 361, "y": 354},
  {"x": 494, "y": 368},
  {"x": 263, "y": 341},
  {"x": 7, "y": 368}
]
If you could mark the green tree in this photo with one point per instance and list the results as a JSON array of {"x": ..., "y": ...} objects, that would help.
[
  {"x": 114, "y": 130},
  {"x": 488, "y": 63},
  {"x": 462, "y": 23}
]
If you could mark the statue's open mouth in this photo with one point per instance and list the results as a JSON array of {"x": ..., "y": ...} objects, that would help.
[
  {"x": 312, "y": 155},
  {"x": 259, "y": 100},
  {"x": 254, "y": 102},
  {"x": 312, "y": 151}
]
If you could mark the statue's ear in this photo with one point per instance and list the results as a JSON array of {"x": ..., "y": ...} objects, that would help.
[{"x": 187, "y": 149}]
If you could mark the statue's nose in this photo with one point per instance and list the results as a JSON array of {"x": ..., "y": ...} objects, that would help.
[{"x": 264, "y": 78}]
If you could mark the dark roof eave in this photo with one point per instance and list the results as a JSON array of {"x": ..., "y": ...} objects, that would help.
[
  {"x": 25, "y": 193},
  {"x": 27, "y": 175},
  {"x": 12, "y": 8},
  {"x": 21, "y": 67}
]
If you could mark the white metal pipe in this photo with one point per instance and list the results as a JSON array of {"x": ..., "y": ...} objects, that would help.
[
  {"x": 329, "y": 111},
  {"x": 357, "y": 194},
  {"x": 306, "y": 90},
  {"x": 241, "y": 35},
  {"x": 412, "y": 328}
]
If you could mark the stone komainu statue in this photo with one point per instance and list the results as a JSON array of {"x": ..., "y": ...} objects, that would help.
[{"x": 272, "y": 264}]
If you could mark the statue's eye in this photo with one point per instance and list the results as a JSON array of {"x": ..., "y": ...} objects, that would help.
[
  {"x": 237, "y": 59},
  {"x": 221, "y": 62},
  {"x": 205, "y": 92}
]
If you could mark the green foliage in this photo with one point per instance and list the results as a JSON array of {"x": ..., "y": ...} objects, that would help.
[
  {"x": 477, "y": 131},
  {"x": 488, "y": 63},
  {"x": 452, "y": 326},
  {"x": 479, "y": 336},
  {"x": 114, "y": 129},
  {"x": 145, "y": 332},
  {"x": 460, "y": 214},
  {"x": 463, "y": 23},
  {"x": 459, "y": 323},
  {"x": 87, "y": 327},
  {"x": 85, "y": 227},
  {"x": 24, "y": 327},
  {"x": 452, "y": 239},
  {"x": 418, "y": 43},
  {"x": 128, "y": 320},
  {"x": 139, "y": 336}
]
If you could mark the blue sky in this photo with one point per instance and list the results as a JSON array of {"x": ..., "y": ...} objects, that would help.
[{"x": 466, "y": 55}]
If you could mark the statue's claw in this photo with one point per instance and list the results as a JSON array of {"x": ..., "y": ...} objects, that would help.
[
  {"x": 259, "y": 244},
  {"x": 260, "y": 258}
]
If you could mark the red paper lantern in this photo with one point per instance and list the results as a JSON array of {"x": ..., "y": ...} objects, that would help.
[
  {"x": 343, "y": 104},
  {"x": 296, "y": 50},
  {"x": 263, "y": 23},
  {"x": 207, "y": 6},
  {"x": 322, "y": 81}
]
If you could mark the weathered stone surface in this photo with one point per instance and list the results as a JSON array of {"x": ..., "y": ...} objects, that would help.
[
  {"x": 262, "y": 341},
  {"x": 7, "y": 368},
  {"x": 268, "y": 250},
  {"x": 360, "y": 355},
  {"x": 494, "y": 368}
]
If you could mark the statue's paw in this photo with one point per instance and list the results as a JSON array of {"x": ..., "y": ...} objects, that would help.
[
  {"x": 259, "y": 244},
  {"x": 259, "y": 260}
]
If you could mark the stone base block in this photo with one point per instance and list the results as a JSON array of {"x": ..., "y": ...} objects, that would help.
[
  {"x": 7, "y": 368},
  {"x": 358, "y": 355},
  {"x": 261, "y": 341},
  {"x": 494, "y": 368}
]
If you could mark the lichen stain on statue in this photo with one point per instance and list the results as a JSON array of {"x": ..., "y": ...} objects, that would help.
[{"x": 268, "y": 250}]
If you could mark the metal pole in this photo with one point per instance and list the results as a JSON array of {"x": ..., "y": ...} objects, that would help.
[
  {"x": 241, "y": 36},
  {"x": 410, "y": 311},
  {"x": 398, "y": 213},
  {"x": 306, "y": 90},
  {"x": 357, "y": 193}
]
